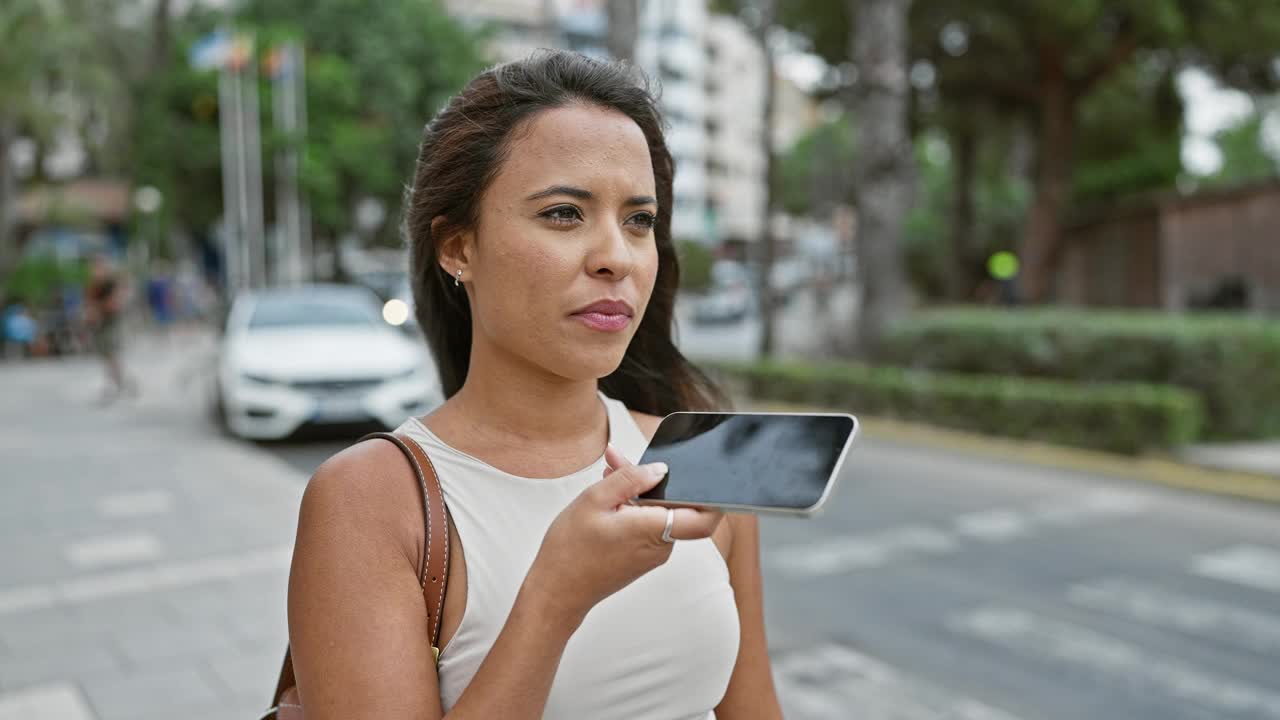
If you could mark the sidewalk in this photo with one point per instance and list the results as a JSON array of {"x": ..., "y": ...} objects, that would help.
[
  {"x": 146, "y": 556},
  {"x": 1260, "y": 458}
]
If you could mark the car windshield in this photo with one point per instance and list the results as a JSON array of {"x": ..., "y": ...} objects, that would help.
[{"x": 311, "y": 311}]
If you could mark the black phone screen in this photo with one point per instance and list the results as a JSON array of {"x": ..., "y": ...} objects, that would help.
[{"x": 761, "y": 460}]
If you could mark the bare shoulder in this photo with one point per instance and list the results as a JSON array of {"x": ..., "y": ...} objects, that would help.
[
  {"x": 648, "y": 423},
  {"x": 369, "y": 486},
  {"x": 357, "y": 629}
]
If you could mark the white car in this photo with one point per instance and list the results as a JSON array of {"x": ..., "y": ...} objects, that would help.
[{"x": 318, "y": 354}]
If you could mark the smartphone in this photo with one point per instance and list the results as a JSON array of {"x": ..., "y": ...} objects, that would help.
[{"x": 783, "y": 463}]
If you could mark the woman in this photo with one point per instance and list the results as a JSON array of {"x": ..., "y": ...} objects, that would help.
[{"x": 545, "y": 278}]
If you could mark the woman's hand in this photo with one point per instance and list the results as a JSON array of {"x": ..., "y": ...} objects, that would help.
[{"x": 600, "y": 543}]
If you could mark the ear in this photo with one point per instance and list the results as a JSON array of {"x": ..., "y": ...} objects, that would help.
[{"x": 454, "y": 248}]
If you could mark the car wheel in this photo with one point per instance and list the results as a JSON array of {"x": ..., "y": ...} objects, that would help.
[{"x": 218, "y": 411}]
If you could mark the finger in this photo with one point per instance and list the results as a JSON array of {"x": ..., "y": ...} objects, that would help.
[
  {"x": 693, "y": 523},
  {"x": 627, "y": 482},
  {"x": 614, "y": 458}
]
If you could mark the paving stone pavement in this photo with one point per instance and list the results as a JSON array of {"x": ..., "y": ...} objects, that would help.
[{"x": 146, "y": 555}]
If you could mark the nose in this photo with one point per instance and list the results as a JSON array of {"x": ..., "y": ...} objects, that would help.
[{"x": 611, "y": 255}]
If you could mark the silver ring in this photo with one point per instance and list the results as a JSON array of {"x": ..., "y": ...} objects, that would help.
[{"x": 671, "y": 520}]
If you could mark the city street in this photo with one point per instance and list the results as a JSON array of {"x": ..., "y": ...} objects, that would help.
[{"x": 146, "y": 556}]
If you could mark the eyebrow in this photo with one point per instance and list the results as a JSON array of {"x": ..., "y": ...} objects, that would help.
[{"x": 586, "y": 195}]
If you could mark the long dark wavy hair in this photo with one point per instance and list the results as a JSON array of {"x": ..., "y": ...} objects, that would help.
[{"x": 462, "y": 150}]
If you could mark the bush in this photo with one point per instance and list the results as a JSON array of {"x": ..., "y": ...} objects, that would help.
[
  {"x": 1231, "y": 361},
  {"x": 1117, "y": 417},
  {"x": 695, "y": 265},
  {"x": 37, "y": 280}
]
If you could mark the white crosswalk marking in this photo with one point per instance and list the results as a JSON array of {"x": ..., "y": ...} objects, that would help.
[
  {"x": 1115, "y": 661},
  {"x": 1250, "y": 565},
  {"x": 832, "y": 682},
  {"x": 60, "y": 701},
  {"x": 861, "y": 552},
  {"x": 858, "y": 552},
  {"x": 136, "y": 504},
  {"x": 77, "y": 590},
  {"x": 1154, "y": 606},
  {"x": 992, "y": 524},
  {"x": 113, "y": 550}
]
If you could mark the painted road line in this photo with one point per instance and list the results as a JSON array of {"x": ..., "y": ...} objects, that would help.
[
  {"x": 1250, "y": 565},
  {"x": 833, "y": 681},
  {"x": 856, "y": 552},
  {"x": 992, "y": 525},
  {"x": 136, "y": 504},
  {"x": 57, "y": 701},
  {"x": 1115, "y": 662},
  {"x": 1087, "y": 507},
  {"x": 144, "y": 580},
  {"x": 849, "y": 553},
  {"x": 113, "y": 550},
  {"x": 1193, "y": 616}
]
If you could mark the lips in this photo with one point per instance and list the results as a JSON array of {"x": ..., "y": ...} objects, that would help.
[
  {"x": 605, "y": 315},
  {"x": 607, "y": 307}
]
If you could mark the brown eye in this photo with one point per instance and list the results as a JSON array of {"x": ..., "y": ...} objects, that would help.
[
  {"x": 644, "y": 220},
  {"x": 562, "y": 215}
]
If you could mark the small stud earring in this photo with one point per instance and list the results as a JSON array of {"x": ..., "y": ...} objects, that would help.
[{"x": 457, "y": 280}]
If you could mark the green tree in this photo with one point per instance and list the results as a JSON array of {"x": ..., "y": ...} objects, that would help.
[
  {"x": 1245, "y": 157},
  {"x": 1053, "y": 57},
  {"x": 376, "y": 73},
  {"x": 1063, "y": 68},
  {"x": 815, "y": 173},
  {"x": 49, "y": 48}
]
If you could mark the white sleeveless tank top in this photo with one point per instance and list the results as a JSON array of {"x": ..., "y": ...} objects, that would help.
[{"x": 662, "y": 648}]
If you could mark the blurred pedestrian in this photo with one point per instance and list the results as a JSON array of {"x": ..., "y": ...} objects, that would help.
[
  {"x": 540, "y": 225},
  {"x": 20, "y": 330},
  {"x": 105, "y": 300},
  {"x": 160, "y": 297}
]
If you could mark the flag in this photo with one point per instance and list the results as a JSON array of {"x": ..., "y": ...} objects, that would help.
[
  {"x": 220, "y": 49},
  {"x": 211, "y": 51}
]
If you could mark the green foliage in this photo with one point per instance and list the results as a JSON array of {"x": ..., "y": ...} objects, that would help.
[
  {"x": 177, "y": 148},
  {"x": 1116, "y": 417},
  {"x": 35, "y": 280},
  {"x": 375, "y": 74},
  {"x": 1228, "y": 360},
  {"x": 816, "y": 171},
  {"x": 1244, "y": 156},
  {"x": 695, "y": 265},
  {"x": 1112, "y": 160}
]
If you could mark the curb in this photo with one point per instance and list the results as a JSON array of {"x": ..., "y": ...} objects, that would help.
[{"x": 1153, "y": 468}]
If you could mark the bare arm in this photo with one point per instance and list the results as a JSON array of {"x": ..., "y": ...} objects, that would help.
[
  {"x": 751, "y": 693},
  {"x": 357, "y": 622}
]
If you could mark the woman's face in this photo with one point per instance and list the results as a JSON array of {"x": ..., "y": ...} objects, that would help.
[{"x": 567, "y": 221}]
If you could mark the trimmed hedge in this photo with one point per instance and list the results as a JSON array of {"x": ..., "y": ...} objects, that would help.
[
  {"x": 1231, "y": 361},
  {"x": 1117, "y": 417}
]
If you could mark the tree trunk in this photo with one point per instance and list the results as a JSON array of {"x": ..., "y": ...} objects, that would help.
[
  {"x": 623, "y": 28},
  {"x": 768, "y": 243},
  {"x": 160, "y": 36},
  {"x": 884, "y": 172},
  {"x": 8, "y": 197},
  {"x": 1053, "y": 179},
  {"x": 964, "y": 146}
]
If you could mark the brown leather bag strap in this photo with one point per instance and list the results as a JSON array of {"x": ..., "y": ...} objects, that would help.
[{"x": 433, "y": 575}]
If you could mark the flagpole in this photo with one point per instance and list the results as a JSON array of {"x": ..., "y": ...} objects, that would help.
[
  {"x": 253, "y": 172},
  {"x": 231, "y": 229}
]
